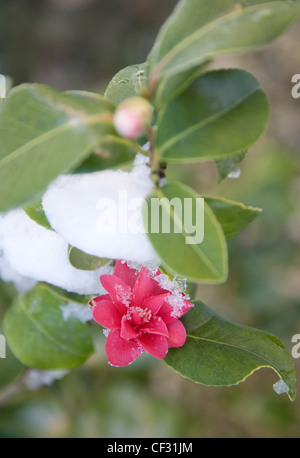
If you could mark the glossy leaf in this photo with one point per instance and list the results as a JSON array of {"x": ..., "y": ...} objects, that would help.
[
  {"x": 11, "y": 367},
  {"x": 220, "y": 353},
  {"x": 204, "y": 261},
  {"x": 39, "y": 336},
  {"x": 43, "y": 133},
  {"x": 112, "y": 152},
  {"x": 201, "y": 30},
  {"x": 84, "y": 261},
  {"x": 36, "y": 213},
  {"x": 233, "y": 216},
  {"x": 67, "y": 296},
  {"x": 229, "y": 165},
  {"x": 128, "y": 82},
  {"x": 221, "y": 114},
  {"x": 169, "y": 88}
]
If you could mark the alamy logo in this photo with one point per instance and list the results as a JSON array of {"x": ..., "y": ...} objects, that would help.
[
  {"x": 2, "y": 346},
  {"x": 2, "y": 87},
  {"x": 296, "y": 87},
  {"x": 137, "y": 215},
  {"x": 296, "y": 348}
]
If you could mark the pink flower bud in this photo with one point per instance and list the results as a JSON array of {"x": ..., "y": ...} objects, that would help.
[{"x": 132, "y": 117}]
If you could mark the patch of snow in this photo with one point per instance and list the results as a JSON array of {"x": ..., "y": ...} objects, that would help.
[
  {"x": 281, "y": 387},
  {"x": 79, "y": 312},
  {"x": 40, "y": 254},
  {"x": 35, "y": 379},
  {"x": 21, "y": 283},
  {"x": 71, "y": 205},
  {"x": 235, "y": 174}
]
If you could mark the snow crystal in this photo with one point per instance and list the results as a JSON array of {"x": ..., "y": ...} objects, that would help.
[
  {"x": 35, "y": 379},
  {"x": 140, "y": 168},
  {"x": 177, "y": 300},
  {"x": 235, "y": 174},
  {"x": 75, "y": 204},
  {"x": 176, "y": 287},
  {"x": 146, "y": 146},
  {"x": 152, "y": 266},
  {"x": 281, "y": 387},
  {"x": 171, "y": 285},
  {"x": 122, "y": 295},
  {"x": 40, "y": 254},
  {"x": 79, "y": 312}
]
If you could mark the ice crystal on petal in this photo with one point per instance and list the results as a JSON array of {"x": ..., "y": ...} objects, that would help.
[
  {"x": 123, "y": 295},
  {"x": 171, "y": 285},
  {"x": 177, "y": 300},
  {"x": 152, "y": 266},
  {"x": 106, "y": 332}
]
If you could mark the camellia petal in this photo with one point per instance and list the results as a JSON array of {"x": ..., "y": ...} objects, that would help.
[
  {"x": 155, "y": 345},
  {"x": 177, "y": 334},
  {"x": 121, "y": 352},
  {"x": 142, "y": 288},
  {"x": 168, "y": 312},
  {"x": 154, "y": 303},
  {"x": 141, "y": 315},
  {"x": 125, "y": 273},
  {"x": 157, "y": 289},
  {"x": 128, "y": 331},
  {"x": 118, "y": 290},
  {"x": 103, "y": 297},
  {"x": 155, "y": 326},
  {"x": 106, "y": 314}
]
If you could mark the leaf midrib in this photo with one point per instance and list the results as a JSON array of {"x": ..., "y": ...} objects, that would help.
[
  {"x": 187, "y": 41},
  {"x": 205, "y": 122},
  {"x": 44, "y": 137},
  {"x": 237, "y": 347}
]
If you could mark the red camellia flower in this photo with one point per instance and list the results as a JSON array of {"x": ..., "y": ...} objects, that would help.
[{"x": 141, "y": 312}]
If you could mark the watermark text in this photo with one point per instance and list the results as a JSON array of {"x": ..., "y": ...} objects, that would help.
[
  {"x": 296, "y": 348},
  {"x": 2, "y": 346},
  {"x": 2, "y": 87},
  {"x": 296, "y": 87},
  {"x": 156, "y": 216}
]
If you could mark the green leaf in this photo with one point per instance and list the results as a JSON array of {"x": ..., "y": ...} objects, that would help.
[
  {"x": 128, "y": 82},
  {"x": 11, "y": 368},
  {"x": 37, "y": 214},
  {"x": 67, "y": 296},
  {"x": 170, "y": 88},
  {"x": 220, "y": 115},
  {"x": 84, "y": 261},
  {"x": 201, "y": 30},
  {"x": 44, "y": 133},
  {"x": 229, "y": 165},
  {"x": 112, "y": 152},
  {"x": 233, "y": 216},
  {"x": 203, "y": 261},
  {"x": 220, "y": 353},
  {"x": 38, "y": 335}
]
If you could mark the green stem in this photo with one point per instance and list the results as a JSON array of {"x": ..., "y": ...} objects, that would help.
[{"x": 154, "y": 160}]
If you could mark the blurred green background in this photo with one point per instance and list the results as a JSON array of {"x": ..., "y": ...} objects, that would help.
[{"x": 81, "y": 44}]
